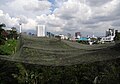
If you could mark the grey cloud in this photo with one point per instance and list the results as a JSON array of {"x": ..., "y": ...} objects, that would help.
[
  {"x": 71, "y": 26},
  {"x": 90, "y": 21},
  {"x": 97, "y": 2},
  {"x": 4, "y": 1},
  {"x": 116, "y": 23},
  {"x": 53, "y": 25},
  {"x": 92, "y": 26},
  {"x": 67, "y": 17},
  {"x": 116, "y": 12},
  {"x": 106, "y": 18},
  {"x": 98, "y": 19}
]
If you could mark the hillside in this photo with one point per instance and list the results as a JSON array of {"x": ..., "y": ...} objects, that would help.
[
  {"x": 50, "y": 61},
  {"x": 51, "y": 51}
]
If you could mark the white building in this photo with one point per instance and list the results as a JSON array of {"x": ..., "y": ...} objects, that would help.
[
  {"x": 108, "y": 39},
  {"x": 110, "y": 34},
  {"x": 40, "y": 31},
  {"x": 63, "y": 37}
]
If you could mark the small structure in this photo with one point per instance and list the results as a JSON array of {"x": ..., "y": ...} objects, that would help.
[
  {"x": 63, "y": 37},
  {"x": 84, "y": 39},
  {"x": 90, "y": 43}
]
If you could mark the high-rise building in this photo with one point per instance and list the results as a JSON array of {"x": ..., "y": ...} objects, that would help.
[
  {"x": 77, "y": 34},
  {"x": 110, "y": 32},
  {"x": 41, "y": 31}
]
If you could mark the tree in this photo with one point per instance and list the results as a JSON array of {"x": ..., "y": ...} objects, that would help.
[
  {"x": 13, "y": 33},
  {"x": 117, "y": 36},
  {"x": 2, "y": 25},
  {"x": 2, "y": 38}
]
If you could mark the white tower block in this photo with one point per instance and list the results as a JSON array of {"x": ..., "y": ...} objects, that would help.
[
  {"x": 20, "y": 28},
  {"x": 41, "y": 31}
]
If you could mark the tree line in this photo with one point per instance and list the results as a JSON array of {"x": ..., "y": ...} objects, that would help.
[{"x": 7, "y": 34}]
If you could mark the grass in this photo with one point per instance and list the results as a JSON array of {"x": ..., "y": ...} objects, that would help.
[{"x": 50, "y": 51}]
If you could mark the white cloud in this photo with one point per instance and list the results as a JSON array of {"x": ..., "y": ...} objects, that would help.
[
  {"x": 29, "y": 8},
  {"x": 35, "y": 5},
  {"x": 52, "y": 22},
  {"x": 27, "y": 23},
  {"x": 75, "y": 9},
  {"x": 9, "y": 21},
  {"x": 30, "y": 25},
  {"x": 66, "y": 15}
]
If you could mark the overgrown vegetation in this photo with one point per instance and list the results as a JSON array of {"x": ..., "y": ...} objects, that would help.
[
  {"x": 8, "y": 40},
  {"x": 2, "y": 38},
  {"x": 9, "y": 47},
  {"x": 50, "y": 61},
  {"x": 117, "y": 36},
  {"x": 105, "y": 72}
]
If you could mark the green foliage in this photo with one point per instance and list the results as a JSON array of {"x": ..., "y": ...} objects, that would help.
[
  {"x": 2, "y": 25},
  {"x": 2, "y": 39},
  {"x": 6, "y": 70},
  {"x": 22, "y": 76},
  {"x": 77, "y": 74},
  {"x": 105, "y": 72},
  {"x": 9, "y": 47},
  {"x": 3, "y": 34},
  {"x": 26, "y": 76},
  {"x": 13, "y": 33},
  {"x": 117, "y": 36},
  {"x": 83, "y": 42}
]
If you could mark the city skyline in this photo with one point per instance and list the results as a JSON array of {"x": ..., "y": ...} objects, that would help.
[{"x": 63, "y": 16}]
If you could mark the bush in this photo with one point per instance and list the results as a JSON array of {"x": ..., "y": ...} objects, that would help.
[
  {"x": 8, "y": 48},
  {"x": 83, "y": 42}
]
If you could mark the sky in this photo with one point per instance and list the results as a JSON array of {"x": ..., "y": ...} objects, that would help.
[{"x": 62, "y": 16}]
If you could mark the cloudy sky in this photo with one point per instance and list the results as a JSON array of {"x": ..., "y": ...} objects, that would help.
[{"x": 62, "y": 16}]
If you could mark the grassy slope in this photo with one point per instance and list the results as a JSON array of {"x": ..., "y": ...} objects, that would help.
[
  {"x": 85, "y": 73},
  {"x": 50, "y": 51}
]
